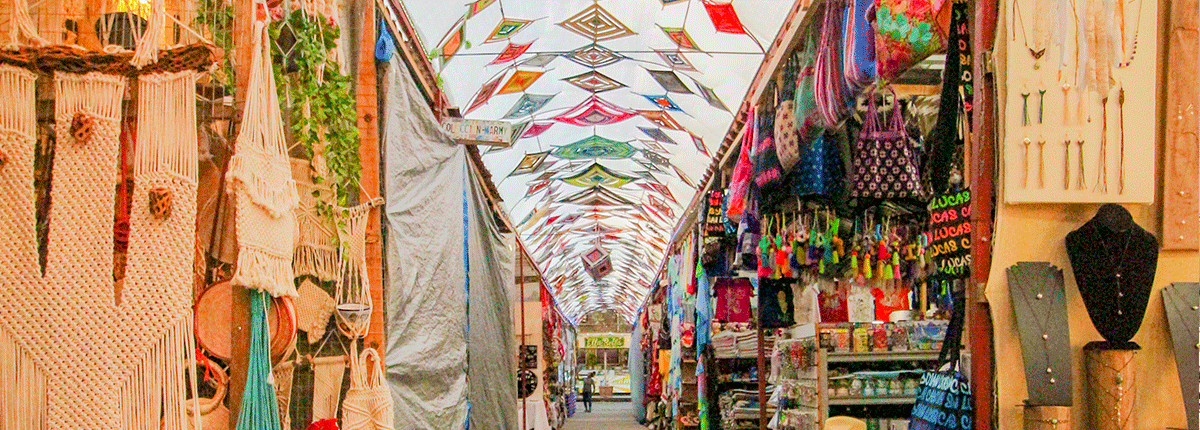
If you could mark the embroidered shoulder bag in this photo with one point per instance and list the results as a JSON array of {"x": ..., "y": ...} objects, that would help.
[{"x": 885, "y": 162}]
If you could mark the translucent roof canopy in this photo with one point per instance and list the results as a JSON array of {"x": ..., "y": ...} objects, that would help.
[{"x": 621, "y": 105}]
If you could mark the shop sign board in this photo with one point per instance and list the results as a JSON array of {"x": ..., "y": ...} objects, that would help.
[
  {"x": 478, "y": 132},
  {"x": 604, "y": 341},
  {"x": 949, "y": 234}
]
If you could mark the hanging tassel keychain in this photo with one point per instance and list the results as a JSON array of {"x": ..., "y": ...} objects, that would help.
[{"x": 838, "y": 248}]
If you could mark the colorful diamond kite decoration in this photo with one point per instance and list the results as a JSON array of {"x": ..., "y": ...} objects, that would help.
[
  {"x": 595, "y": 147},
  {"x": 485, "y": 93},
  {"x": 658, "y": 188},
  {"x": 598, "y": 175},
  {"x": 478, "y": 6},
  {"x": 677, "y": 61},
  {"x": 661, "y": 119},
  {"x": 696, "y": 140},
  {"x": 519, "y": 81},
  {"x": 660, "y": 206},
  {"x": 595, "y": 111},
  {"x": 710, "y": 96},
  {"x": 511, "y": 52},
  {"x": 656, "y": 159},
  {"x": 597, "y": 24},
  {"x": 680, "y": 37},
  {"x": 669, "y": 81},
  {"x": 527, "y": 105},
  {"x": 649, "y": 165},
  {"x": 594, "y": 56},
  {"x": 530, "y": 163},
  {"x": 537, "y": 186},
  {"x": 663, "y": 102},
  {"x": 507, "y": 28},
  {"x": 536, "y": 129},
  {"x": 539, "y": 60},
  {"x": 723, "y": 17},
  {"x": 518, "y": 129},
  {"x": 683, "y": 176},
  {"x": 650, "y": 145},
  {"x": 454, "y": 41},
  {"x": 658, "y": 135},
  {"x": 594, "y": 81}
]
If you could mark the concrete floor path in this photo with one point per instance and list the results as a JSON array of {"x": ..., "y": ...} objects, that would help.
[{"x": 604, "y": 416}]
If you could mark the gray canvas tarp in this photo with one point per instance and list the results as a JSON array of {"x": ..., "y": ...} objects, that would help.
[{"x": 436, "y": 219}]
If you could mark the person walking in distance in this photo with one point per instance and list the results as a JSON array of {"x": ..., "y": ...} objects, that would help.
[{"x": 589, "y": 387}]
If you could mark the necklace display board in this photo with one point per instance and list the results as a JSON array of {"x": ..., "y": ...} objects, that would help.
[
  {"x": 1073, "y": 124},
  {"x": 1039, "y": 301},
  {"x": 1114, "y": 261},
  {"x": 1180, "y": 304}
]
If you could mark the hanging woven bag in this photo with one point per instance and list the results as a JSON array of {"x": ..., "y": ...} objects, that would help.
[
  {"x": 787, "y": 145},
  {"x": 885, "y": 162},
  {"x": 808, "y": 122},
  {"x": 908, "y": 32},
  {"x": 368, "y": 404},
  {"x": 213, "y": 413},
  {"x": 830, "y": 91},
  {"x": 858, "y": 43}
]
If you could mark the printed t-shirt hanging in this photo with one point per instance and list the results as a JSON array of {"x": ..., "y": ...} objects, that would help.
[
  {"x": 886, "y": 302},
  {"x": 775, "y": 309},
  {"x": 733, "y": 299},
  {"x": 833, "y": 303}
]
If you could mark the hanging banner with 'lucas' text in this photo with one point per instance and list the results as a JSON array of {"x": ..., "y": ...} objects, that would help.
[{"x": 949, "y": 234}]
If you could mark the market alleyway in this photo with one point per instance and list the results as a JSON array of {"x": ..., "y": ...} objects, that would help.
[{"x": 604, "y": 416}]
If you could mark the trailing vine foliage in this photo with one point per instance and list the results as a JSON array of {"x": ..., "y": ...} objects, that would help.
[{"x": 320, "y": 100}]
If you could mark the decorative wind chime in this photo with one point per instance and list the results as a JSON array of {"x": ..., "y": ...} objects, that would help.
[{"x": 79, "y": 348}]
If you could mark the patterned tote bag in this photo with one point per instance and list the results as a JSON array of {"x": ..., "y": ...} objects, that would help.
[
  {"x": 787, "y": 146},
  {"x": 908, "y": 32},
  {"x": 885, "y": 162}
]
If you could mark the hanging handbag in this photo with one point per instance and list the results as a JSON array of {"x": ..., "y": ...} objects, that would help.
[
  {"x": 787, "y": 147},
  {"x": 820, "y": 166},
  {"x": 908, "y": 31},
  {"x": 829, "y": 86},
  {"x": 885, "y": 162},
  {"x": 767, "y": 171},
  {"x": 368, "y": 403},
  {"x": 743, "y": 172},
  {"x": 858, "y": 43},
  {"x": 944, "y": 399},
  {"x": 808, "y": 122}
]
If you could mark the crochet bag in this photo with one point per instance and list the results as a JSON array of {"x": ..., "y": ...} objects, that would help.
[
  {"x": 743, "y": 172},
  {"x": 885, "y": 163},
  {"x": 908, "y": 32},
  {"x": 819, "y": 168},
  {"x": 767, "y": 171},
  {"x": 858, "y": 42},
  {"x": 808, "y": 123},
  {"x": 368, "y": 403},
  {"x": 830, "y": 92},
  {"x": 787, "y": 147}
]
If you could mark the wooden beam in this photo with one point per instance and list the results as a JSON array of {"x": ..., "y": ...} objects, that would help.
[
  {"x": 367, "y": 104},
  {"x": 981, "y": 154},
  {"x": 244, "y": 16}
]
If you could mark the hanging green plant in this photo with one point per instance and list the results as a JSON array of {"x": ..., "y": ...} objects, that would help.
[{"x": 319, "y": 97}]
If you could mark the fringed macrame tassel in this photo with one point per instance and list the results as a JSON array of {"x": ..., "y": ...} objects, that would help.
[
  {"x": 321, "y": 263},
  {"x": 147, "y": 47},
  {"x": 263, "y": 269},
  {"x": 167, "y": 101},
  {"x": 284, "y": 373},
  {"x": 154, "y": 397},
  {"x": 21, "y": 22},
  {"x": 259, "y": 410},
  {"x": 22, "y": 388}
]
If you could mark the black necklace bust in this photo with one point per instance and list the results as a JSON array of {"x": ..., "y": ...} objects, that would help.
[{"x": 1114, "y": 261}]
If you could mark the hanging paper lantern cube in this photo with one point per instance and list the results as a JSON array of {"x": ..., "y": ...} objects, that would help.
[
  {"x": 680, "y": 37},
  {"x": 506, "y": 29},
  {"x": 597, "y": 262},
  {"x": 594, "y": 56},
  {"x": 595, "y": 23},
  {"x": 594, "y": 81},
  {"x": 677, "y": 61},
  {"x": 520, "y": 81},
  {"x": 527, "y": 105},
  {"x": 595, "y": 111},
  {"x": 669, "y": 81},
  {"x": 511, "y": 52}
]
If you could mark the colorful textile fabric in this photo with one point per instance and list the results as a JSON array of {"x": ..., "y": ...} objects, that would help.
[
  {"x": 519, "y": 81},
  {"x": 733, "y": 299},
  {"x": 776, "y": 307},
  {"x": 886, "y": 302},
  {"x": 595, "y": 111},
  {"x": 833, "y": 303},
  {"x": 723, "y": 17}
]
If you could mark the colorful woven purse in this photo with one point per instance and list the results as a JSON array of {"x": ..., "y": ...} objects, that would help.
[
  {"x": 886, "y": 165},
  {"x": 808, "y": 122},
  {"x": 787, "y": 145},
  {"x": 858, "y": 43},
  {"x": 830, "y": 91},
  {"x": 908, "y": 32}
]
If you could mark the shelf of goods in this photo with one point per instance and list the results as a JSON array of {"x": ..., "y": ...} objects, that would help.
[
  {"x": 855, "y": 401},
  {"x": 860, "y": 357},
  {"x": 740, "y": 409},
  {"x": 733, "y": 344},
  {"x": 802, "y": 382}
]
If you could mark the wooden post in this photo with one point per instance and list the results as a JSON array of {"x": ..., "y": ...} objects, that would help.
[
  {"x": 367, "y": 104},
  {"x": 243, "y": 41},
  {"x": 763, "y": 419},
  {"x": 1111, "y": 387},
  {"x": 981, "y": 152}
]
